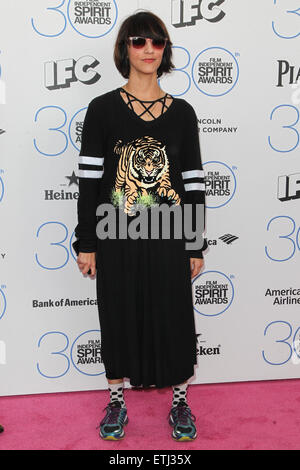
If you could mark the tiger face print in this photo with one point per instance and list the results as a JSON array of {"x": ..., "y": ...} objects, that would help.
[
  {"x": 143, "y": 172},
  {"x": 148, "y": 165}
]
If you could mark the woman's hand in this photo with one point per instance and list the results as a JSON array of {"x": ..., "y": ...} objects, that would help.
[
  {"x": 87, "y": 261},
  {"x": 196, "y": 265}
]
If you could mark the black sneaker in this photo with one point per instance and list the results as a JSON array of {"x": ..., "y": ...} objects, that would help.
[{"x": 181, "y": 419}]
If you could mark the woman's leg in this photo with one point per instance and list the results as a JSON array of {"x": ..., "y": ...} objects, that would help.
[
  {"x": 115, "y": 388},
  {"x": 112, "y": 425},
  {"x": 179, "y": 393},
  {"x": 181, "y": 417}
]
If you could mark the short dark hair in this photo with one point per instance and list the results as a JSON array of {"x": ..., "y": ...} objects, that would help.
[{"x": 147, "y": 24}]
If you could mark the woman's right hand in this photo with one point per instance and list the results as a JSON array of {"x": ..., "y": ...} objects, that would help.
[{"x": 87, "y": 261}]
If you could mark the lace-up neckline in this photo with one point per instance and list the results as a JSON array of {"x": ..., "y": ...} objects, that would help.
[{"x": 131, "y": 98}]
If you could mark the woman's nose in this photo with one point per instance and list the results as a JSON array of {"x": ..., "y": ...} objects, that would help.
[{"x": 148, "y": 45}]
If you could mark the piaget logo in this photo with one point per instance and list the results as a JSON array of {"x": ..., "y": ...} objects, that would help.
[{"x": 288, "y": 73}]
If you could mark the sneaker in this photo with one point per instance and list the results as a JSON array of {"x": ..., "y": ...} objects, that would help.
[
  {"x": 111, "y": 427},
  {"x": 181, "y": 419}
]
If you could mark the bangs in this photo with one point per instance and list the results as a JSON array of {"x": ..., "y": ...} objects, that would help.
[{"x": 145, "y": 26}]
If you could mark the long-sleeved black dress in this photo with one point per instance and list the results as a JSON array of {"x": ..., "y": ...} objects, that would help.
[{"x": 143, "y": 284}]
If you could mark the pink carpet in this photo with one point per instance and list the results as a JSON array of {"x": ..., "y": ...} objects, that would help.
[{"x": 245, "y": 415}]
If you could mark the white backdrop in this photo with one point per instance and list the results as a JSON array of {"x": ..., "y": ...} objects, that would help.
[{"x": 237, "y": 64}]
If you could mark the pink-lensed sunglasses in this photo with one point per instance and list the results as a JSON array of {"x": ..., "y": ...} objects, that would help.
[{"x": 138, "y": 42}]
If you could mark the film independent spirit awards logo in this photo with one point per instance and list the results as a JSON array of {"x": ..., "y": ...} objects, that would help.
[
  {"x": 220, "y": 184},
  {"x": 215, "y": 71},
  {"x": 213, "y": 293},
  {"x": 92, "y": 18},
  {"x": 86, "y": 353}
]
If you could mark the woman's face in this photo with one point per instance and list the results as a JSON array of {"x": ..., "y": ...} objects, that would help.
[{"x": 146, "y": 60}]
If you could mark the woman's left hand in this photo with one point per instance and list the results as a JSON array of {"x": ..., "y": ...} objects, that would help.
[{"x": 196, "y": 265}]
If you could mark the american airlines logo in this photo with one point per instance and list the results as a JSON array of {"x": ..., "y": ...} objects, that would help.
[
  {"x": 187, "y": 12},
  {"x": 61, "y": 73},
  {"x": 228, "y": 238}
]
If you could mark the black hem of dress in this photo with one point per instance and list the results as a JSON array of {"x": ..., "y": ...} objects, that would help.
[{"x": 170, "y": 383}]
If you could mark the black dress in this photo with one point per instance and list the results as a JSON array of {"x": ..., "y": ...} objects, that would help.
[{"x": 143, "y": 284}]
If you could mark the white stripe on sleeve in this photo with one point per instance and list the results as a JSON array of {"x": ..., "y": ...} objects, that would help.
[
  {"x": 194, "y": 187},
  {"x": 90, "y": 174}
]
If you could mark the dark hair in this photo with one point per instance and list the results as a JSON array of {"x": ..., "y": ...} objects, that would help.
[{"x": 147, "y": 24}]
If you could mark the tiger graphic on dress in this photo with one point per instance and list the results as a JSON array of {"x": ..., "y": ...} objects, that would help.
[{"x": 143, "y": 171}]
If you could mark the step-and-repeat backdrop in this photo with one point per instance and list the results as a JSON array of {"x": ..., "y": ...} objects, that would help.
[{"x": 237, "y": 63}]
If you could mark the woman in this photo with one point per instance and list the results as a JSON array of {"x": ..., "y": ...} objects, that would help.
[{"x": 140, "y": 148}]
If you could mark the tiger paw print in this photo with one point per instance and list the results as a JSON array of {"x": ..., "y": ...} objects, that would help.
[
  {"x": 129, "y": 202},
  {"x": 170, "y": 194}
]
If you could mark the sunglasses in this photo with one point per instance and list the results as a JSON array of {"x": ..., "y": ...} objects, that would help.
[{"x": 138, "y": 42}]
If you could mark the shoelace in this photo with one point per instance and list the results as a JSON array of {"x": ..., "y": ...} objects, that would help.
[
  {"x": 183, "y": 414},
  {"x": 111, "y": 418}
]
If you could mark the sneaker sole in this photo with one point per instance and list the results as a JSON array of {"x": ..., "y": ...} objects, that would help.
[
  {"x": 183, "y": 438},
  {"x": 111, "y": 437}
]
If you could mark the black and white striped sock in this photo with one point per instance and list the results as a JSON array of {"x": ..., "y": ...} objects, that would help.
[
  {"x": 116, "y": 393},
  {"x": 179, "y": 394}
]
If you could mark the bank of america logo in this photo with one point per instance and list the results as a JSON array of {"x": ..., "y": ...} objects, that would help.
[
  {"x": 2, "y": 131},
  {"x": 228, "y": 238}
]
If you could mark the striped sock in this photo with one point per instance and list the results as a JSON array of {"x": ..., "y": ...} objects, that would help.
[
  {"x": 116, "y": 393},
  {"x": 179, "y": 394}
]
